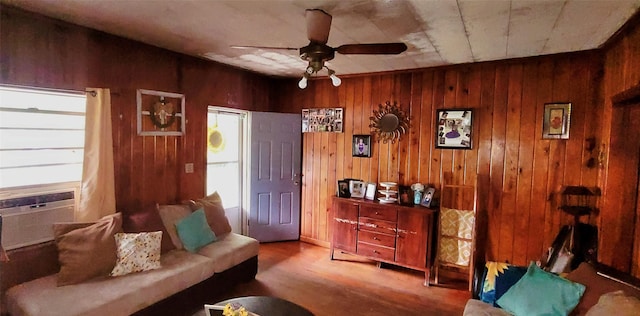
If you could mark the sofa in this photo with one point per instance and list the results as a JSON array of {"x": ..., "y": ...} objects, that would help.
[
  {"x": 590, "y": 289},
  {"x": 172, "y": 273}
]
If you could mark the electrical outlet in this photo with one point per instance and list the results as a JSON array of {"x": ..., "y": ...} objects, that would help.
[{"x": 188, "y": 167}]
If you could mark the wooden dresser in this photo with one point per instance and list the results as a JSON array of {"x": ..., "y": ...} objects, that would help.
[{"x": 390, "y": 233}]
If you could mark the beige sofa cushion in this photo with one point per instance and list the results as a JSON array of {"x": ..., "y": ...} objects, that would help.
[
  {"x": 110, "y": 295},
  {"x": 480, "y": 308},
  {"x": 230, "y": 250}
]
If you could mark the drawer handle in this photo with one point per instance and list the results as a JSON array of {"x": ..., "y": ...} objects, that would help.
[
  {"x": 377, "y": 213},
  {"x": 375, "y": 238},
  {"x": 376, "y": 252}
]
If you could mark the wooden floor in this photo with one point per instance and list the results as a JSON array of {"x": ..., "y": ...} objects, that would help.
[{"x": 348, "y": 285}]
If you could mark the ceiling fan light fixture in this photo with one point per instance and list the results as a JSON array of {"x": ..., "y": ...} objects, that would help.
[
  {"x": 317, "y": 52},
  {"x": 303, "y": 82},
  {"x": 334, "y": 79}
]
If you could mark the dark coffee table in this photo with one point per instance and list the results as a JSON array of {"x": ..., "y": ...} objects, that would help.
[{"x": 267, "y": 306}]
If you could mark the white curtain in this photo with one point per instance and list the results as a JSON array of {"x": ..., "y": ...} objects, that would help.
[{"x": 97, "y": 194}]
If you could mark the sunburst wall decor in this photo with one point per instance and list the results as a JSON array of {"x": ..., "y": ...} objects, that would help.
[{"x": 389, "y": 122}]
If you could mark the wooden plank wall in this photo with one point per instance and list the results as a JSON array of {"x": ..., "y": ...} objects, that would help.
[
  {"x": 620, "y": 222},
  {"x": 519, "y": 174},
  {"x": 42, "y": 52}
]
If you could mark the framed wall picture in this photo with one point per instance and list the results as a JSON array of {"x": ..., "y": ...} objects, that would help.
[
  {"x": 322, "y": 120},
  {"x": 361, "y": 146},
  {"x": 556, "y": 121},
  {"x": 160, "y": 113},
  {"x": 454, "y": 128}
]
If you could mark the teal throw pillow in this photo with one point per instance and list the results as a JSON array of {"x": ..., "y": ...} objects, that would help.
[
  {"x": 194, "y": 232},
  {"x": 541, "y": 293}
]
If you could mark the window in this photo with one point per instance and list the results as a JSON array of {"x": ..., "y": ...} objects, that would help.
[
  {"x": 41, "y": 137},
  {"x": 224, "y": 168}
]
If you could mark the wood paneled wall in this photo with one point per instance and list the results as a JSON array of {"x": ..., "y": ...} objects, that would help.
[
  {"x": 519, "y": 174},
  {"x": 620, "y": 222},
  {"x": 42, "y": 52}
]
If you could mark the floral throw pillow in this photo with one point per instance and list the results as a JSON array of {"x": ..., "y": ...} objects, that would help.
[{"x": 137, "y": 252}]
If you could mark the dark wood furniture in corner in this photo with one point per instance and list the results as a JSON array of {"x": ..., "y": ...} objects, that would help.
[{"x": 389, "y": 233}]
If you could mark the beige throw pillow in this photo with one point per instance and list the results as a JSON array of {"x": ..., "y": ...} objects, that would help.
[
  {"x": 214, "y": 211},
  {"x": 170, "y": 215},
  {"x": 88, "y": 252},
  {"x": 616, "y": 303},
  {"x": 60, "y": 229},
  {"x": 596, "y": 286}
]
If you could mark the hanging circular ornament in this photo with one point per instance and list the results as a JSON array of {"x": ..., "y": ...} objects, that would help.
[
  {"x": 389, "y": 122},
  {"x": 215, "y": 140},
  {"x": 163, "y": 113}
]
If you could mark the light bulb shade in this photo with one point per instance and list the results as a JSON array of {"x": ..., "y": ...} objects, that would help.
[
  {"x": 335, "y": 80},
  {"x": 303, "y": 83}
]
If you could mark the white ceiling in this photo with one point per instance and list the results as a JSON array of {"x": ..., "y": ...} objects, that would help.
[{"x": 437, "y": 32}]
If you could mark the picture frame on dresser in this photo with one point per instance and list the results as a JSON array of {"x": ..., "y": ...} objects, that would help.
[
  {"x": 427, "y": 198},
  {"x": 406, "y": 195},
  {"x": 343, "y": 189},
  {"x": 357, "y": 188},
  {"x": 370, "y": 193}
]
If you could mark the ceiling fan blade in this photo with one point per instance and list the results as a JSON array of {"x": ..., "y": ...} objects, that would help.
[
  {"x": 318, "y": 25},
  {"x": 262, "y": 47},
  {"x": 371, "y": 49}
]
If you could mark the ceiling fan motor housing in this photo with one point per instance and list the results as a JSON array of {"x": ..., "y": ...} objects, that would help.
[{"x": 317, "y": 52}]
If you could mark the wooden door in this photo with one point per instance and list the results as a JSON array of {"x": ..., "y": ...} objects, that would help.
[
  {"x": 414, "y": 228},
  {"x": 345, "y": 225},
  {"x": 274, "y": 173}
]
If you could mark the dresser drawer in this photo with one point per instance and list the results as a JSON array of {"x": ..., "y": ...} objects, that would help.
[
  {"x": 376, "y": 225},
  {"x": 377, "y": 239},
  {"x": 378, "y": 212},
  {"x": 374, "y": 251}
]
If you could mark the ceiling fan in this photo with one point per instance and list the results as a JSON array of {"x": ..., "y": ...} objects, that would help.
[{"x": 318, "y": 52}]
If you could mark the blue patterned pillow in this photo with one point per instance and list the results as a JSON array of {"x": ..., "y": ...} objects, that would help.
[{"x": 498, "y": 277}]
